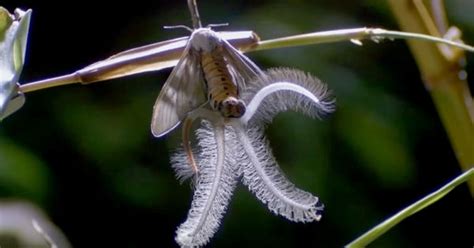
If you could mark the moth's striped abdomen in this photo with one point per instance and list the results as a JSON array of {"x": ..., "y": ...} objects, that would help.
[{"x": 222, "y": 91}]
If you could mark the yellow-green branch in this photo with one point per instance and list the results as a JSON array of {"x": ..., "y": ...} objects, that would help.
[{"x": 441, "y": 76}]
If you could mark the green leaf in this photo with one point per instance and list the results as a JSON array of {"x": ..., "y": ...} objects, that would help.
[
  {"x": 21, "y": 38},
  {"x": 386, "y": 225},
  {"x": 5, "y": 21}
]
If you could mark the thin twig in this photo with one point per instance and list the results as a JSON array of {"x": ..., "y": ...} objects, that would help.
[
  {"x": 193, "y": 9},
  {"x": 375, "y": 34},
  {"x": 48, "y": 83},
  {"x": 153, "y": 57},
  {"x": 426, "y": 201},
  {"x": 159, "y": 56}
]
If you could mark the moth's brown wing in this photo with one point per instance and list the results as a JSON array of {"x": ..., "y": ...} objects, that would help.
[
  {"x": 182, "y": 92},
  {"x": 241, "y": 67}
]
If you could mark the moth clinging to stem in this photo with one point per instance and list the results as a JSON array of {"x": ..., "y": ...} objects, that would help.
[
  {"x": 210, "y": 70},
  {"x": 234, "y": 98}
]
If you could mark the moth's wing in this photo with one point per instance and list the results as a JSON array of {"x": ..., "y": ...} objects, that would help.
[
  {"x": 241, "y": 67},
  {"x": 182, "y": 92}
]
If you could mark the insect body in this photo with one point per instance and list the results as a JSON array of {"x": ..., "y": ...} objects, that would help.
[
  {"x": 210, "y": 70},
  {"x": 222, "y": 92}
]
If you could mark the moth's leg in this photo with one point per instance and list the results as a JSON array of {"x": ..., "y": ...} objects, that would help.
[{"x": 187, "y": 143}]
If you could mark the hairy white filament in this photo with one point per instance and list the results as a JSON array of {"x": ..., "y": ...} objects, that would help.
[
  {"x": 263, "y": 176},
  {"x": 219, "y": 136},
  {"x": 270, "y": 89},
  {"x": 215, "y": 183},
  {"x": 230, "y": 149},
  {"x": 283, "y": 89}
]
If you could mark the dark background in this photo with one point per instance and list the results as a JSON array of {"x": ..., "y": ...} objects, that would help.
[{"x": 86, "y": 156}]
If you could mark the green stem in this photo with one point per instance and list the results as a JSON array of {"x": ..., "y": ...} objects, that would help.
[
  {"x": 354, "y": 34},
  {"x": 383, "y": 227}
]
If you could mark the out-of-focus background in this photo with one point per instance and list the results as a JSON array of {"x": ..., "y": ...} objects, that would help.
[{"x": 86, "y": 157}]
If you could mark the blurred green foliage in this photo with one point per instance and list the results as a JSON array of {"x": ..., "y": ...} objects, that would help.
[
  {"x": 86, "y": 155},
  {"x": 22, "y": 174}
]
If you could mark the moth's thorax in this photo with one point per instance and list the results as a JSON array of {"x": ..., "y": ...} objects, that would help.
[{"x": 204, "y": 40}]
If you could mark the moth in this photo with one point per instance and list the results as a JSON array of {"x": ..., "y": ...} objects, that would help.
[{"x": 210, "y": 72}]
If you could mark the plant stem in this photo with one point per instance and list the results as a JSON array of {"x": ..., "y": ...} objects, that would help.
[
  {"x": 353, "y": 34},
  {"x": 442, "y": 76},
  {"x": 152, "y": 57},
  {"x": 193, "y": 9},
  {"x": 48, "y": 83},
  {"x": 164, "y": 54},
  {"x": 386, "y": 225}
]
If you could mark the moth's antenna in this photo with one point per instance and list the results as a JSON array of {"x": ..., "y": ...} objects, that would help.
[
  {"x": 179, "y": 26},
  {"x": 194, "y": 14},
  {"x": 218, "y": 25}
]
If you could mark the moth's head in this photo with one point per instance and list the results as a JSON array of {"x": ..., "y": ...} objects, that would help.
[{"x": 204, "y": 39}]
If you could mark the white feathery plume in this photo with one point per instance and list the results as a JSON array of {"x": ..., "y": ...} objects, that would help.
[
  {"x": 215, "y": 183},
  {"x": 231, "y": 148},
  {"x": 286, "y": 89},
  {"x": 265, "y": 179},
  {"x": 180, "y": 163}
]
